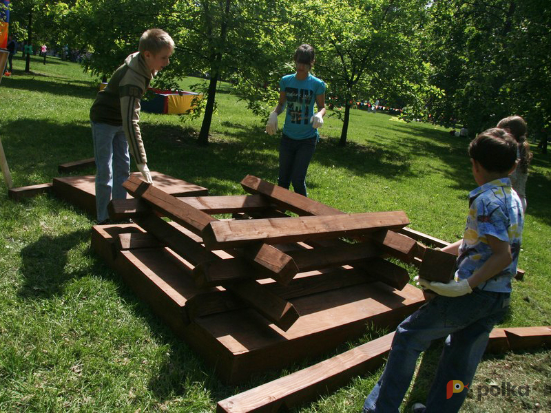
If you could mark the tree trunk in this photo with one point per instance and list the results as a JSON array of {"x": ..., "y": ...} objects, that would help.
[
  {"x": 209, "y": 109},
  {"x": 30, "y": 42},
  {"x": 203, "y": 139},
  {"x": 344, "y": 132}
]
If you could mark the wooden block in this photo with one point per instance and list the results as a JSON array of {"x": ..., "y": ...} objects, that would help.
[
  {"x": 395, "y": 245},
  {"x": 274, "y": 230},
  {"x": 129, "y": 241},
  {"x": 76, "y": 165},
  {"x": 279, "y": 311},
  {"x": 387, "y": 272},
  {"x": 520, "y": 274},
  {"x": 438, "y": 266},
  {"x": 281, "y": 267},
  {"x": 168, "y": 205},
  {"x": 524, "y": 338},
  {"x": 498, "y": 342},
  {"x": 119, "y": 209},
  {"x": 30, "y": 191},
  {"x": 324, "y": 257},
  {"x": 308, "y": 384},
  {"x": 104, "y": 236}
]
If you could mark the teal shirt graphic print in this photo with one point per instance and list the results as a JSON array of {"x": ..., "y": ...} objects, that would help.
[{"x": 301, "y": 100}]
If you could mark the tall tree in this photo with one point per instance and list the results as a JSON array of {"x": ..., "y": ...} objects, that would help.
[{"x": 491, "y": 60}]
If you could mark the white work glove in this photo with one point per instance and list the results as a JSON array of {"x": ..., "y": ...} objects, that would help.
[
  {"x": 271, "y": 125},
  {"x": 316, "y": 120},
  {"x": 451, "y": 289},
  {"x": 142, "y": 167}
]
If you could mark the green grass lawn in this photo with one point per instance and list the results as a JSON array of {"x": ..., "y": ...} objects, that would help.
[{"x": 73, "y": 337}]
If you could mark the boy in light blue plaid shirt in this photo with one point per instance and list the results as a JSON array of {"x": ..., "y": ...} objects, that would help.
[{"x": 467, "y": 308}]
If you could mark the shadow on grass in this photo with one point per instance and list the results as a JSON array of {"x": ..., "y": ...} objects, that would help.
[
  {"x": 54, "y": 85},
  {"x": 43, "y": 264}
]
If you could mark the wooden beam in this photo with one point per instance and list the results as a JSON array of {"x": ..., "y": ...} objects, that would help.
[
  {"x": 387, "y": 272},
  {"x": 211, "y": 270},
  {"x": 397, "y": 245},
  {"x": 438, "y": 266},
  {"x": 314, "y": 283},
  {"x": 30, "y": 191},
  {"x": 76, "y": 165},
  {"x": 128, "y": 208},
  {"x": 279, "y": 311},
  {"x": 524, "y": 338},
  {"x": 274, "y": 230},
  {"x": 324, "y": 257},
  {"x": 308, "y": 384},
  {"x": 168, "y": 205}
]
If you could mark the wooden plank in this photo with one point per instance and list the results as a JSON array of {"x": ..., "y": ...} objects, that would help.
[
  {"x": 279, "y": 311},
  {"x": 128, "y": 208},
  {"x": 438, "y": 266},
  {"x": 30, "y": 191},
  {"x": 426, "y": 239},
  {"x": 395, "y": 244},
  {"x": 274, "y": 230},
  {"x": 76, "y": 165},
  {"x": 308, "y": 384},
  {"x": 81, "y": 190},
  {"x": 228, "y": 204},
  {"x": 280, "y": 265},
  {"x": 524, "y": 338},
  {"x": 168, "y": 205},
  {"x": 305, "y": 284},
  {"x": 128, "y": 241},
  {"x": 324, "y": 257},
  {"x": 498, "y": 342}
]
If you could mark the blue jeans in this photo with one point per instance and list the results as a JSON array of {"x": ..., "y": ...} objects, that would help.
[
  {"x": 466, "y": 321},
  {"x": 112, "y": 165},
  {"x": 294, "y": 158}
]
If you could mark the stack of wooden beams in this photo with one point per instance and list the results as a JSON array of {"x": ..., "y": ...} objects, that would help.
[{"x": 261, "y": 272}]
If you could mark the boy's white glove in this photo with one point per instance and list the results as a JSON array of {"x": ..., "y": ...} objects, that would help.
[
  {"x": 142, "y": 167},
  {"x": 316, "y": 120},
  {"x": 271, "y": 125},
  {"x": 451, "y": 289}
]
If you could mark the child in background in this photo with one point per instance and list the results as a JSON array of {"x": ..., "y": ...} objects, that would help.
[
  {"x": 516, "y": 126},
  {"x": 466, "y": 309},
  {"x": 300, "y": 132},
  {"x": 115, "y": 116}
]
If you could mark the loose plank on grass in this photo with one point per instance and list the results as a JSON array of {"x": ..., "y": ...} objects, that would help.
[
  {"x": 308, "y": 384},
  {"x": 222, "y": 234}
]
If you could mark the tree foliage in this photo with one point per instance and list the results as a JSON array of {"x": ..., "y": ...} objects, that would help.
[{"x": 491, "y": 60}]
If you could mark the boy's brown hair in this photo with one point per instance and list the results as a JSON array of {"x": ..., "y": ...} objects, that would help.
[
  {"x": 155, "y": 40},
  {"x": 495, "y": 149}
]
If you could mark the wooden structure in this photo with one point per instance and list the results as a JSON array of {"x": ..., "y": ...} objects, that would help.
[{"x": 263, "y": 289}]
